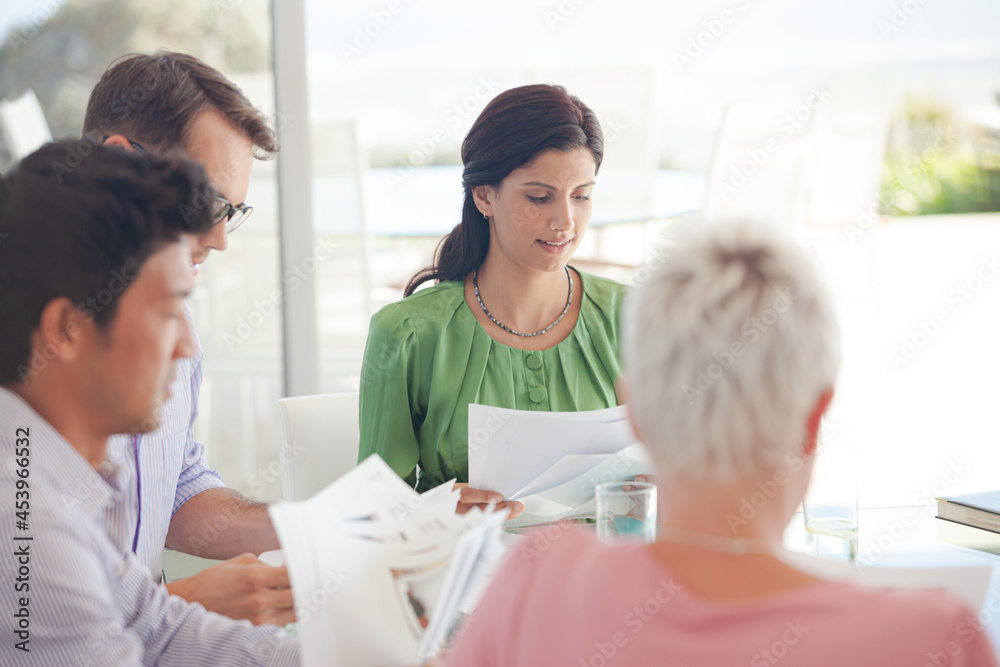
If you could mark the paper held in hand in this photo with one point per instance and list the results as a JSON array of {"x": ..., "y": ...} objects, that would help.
[
  {"x": 551, "y": 461},
  {"x": 379, "y": 572}
]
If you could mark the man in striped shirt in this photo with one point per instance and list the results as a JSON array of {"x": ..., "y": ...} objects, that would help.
[
  {"x": 162, "y": 104},
  {"x": 105, "y": 228}
]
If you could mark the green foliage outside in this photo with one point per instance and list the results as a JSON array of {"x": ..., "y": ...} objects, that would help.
[
  {"x": 936, "y": 163},
  {"x": 63, "y": 58}
]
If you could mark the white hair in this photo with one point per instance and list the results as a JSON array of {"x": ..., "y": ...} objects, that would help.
[{"x": 728, "y": 346}]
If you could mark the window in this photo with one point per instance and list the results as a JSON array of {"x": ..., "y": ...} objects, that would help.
[
  {"x": 775, "y": 111},
  {"x": 59, "y": 51}
]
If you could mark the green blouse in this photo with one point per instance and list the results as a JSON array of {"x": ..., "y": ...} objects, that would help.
[{"x": 427, "y": 358}]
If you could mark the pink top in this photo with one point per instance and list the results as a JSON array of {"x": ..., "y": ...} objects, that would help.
[{"x": 577, "y": 602}]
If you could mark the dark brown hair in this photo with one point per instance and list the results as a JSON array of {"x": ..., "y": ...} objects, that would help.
[
  {"x": 153, "y": 100},
  {"x": 513, "y": 129},
  {"x": 83, "y": 233}
]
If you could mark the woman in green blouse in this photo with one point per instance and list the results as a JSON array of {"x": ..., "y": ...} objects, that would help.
[{"x": 508, "y": 323}]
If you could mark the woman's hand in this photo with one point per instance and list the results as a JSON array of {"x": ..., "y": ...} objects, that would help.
[{"x": 479, "y": 498}]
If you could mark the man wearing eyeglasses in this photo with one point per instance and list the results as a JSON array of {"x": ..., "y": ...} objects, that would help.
[{"x": 162, "y": 104}]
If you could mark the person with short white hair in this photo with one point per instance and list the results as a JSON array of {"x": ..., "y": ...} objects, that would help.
[
  {"x": 734, "y": 345},
  {"x": 731, "y": 352}
]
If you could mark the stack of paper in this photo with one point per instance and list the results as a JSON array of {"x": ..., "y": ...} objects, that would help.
[
  {"x": 551, "y": 461},
  {"x": 379, "y": 572}
]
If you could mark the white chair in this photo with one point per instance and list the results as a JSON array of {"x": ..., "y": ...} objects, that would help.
[
  {"x": 23, "y": 127},
  {"x": 318, "y": 440}
]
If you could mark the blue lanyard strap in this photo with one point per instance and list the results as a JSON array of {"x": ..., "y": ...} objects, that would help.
[{"x": 138, "y": 493}]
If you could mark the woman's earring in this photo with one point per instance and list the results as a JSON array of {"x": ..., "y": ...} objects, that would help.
[{"x": 486, "y": 217}]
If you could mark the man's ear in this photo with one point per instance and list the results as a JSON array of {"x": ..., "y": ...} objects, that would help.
[
  {"x": 814, "y": 421},
  {"x": 60, "y": 331},
  {"x": 120, "y": 141}
]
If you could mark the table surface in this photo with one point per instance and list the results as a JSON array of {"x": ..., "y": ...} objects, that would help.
[
  {"x": 887, "y": 537},
  {"x": 914, "y": 537}
]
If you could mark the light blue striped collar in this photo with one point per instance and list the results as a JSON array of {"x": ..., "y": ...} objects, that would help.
[{"x": 53, "y": 458}]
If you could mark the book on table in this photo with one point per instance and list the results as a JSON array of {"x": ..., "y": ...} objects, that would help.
[{"x": 979, "y": 510}]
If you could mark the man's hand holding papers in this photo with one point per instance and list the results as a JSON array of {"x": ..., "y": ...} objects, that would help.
[{"x": 379, "y": 572}]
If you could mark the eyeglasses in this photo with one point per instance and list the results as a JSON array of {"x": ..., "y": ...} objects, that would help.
[
  {"x": 234, "y": 214},
  {"x": 222, "y": 209}
]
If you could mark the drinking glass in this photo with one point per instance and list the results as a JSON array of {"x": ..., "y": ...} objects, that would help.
[
  {"x": 626, "y": 510},
  {"x": 831, "y": 505}
]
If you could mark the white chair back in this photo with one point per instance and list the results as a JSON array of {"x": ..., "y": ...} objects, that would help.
[
  {"x": 318, "y": 441},
  {"x": 22, "y": 125}
]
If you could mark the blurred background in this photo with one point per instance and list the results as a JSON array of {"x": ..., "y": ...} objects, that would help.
[{"x": 867, "y": 129}]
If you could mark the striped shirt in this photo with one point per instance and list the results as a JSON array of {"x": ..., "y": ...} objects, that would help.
[
  {"x": 171, "y": 470},
  {"x": 68, "y": 596}
]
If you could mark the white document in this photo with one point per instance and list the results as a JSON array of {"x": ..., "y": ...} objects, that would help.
[
  {"x": 477, "y": 556},
  {"x": 551, "y": 461},
  {"x": 373, "y": 564}
]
